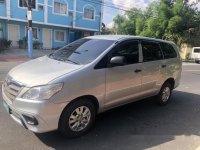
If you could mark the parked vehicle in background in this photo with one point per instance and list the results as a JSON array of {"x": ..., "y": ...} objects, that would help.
[
  {"x": 196, "y": 54},
  {"x": 68, "y": 88}
]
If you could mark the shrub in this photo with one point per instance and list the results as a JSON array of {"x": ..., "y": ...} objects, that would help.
[
  {"x": 5, "y": 43},
  {"x": 37, "y": 45},
  {"x": 188, "y": 56},
  {"x": 23, "y": 43}
]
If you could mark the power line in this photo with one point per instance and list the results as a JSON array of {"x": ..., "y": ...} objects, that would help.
[{"x": 106, "y": 4}]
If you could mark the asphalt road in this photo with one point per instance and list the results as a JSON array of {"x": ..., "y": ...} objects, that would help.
[{"x": 137, "y": 126}]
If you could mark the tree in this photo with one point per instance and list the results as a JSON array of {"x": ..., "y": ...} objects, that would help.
[{"x": 165, "y": 19}]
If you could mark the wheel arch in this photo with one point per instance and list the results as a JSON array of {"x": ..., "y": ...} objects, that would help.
[
  {"x": 171, "y": 81},
  {"x": 90, "y": 98}
]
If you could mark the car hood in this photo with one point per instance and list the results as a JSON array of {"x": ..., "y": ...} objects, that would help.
[{"x": 41, "y": 71}]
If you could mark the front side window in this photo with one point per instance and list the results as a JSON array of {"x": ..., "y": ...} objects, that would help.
[
  {"x": 23, "y": 3},
  {"x": 151, "y": 51},
  {"x": 82, "y": 51},
  {"x": 60, "y": 36},
  {"x": 128, "y": 49},
  {"x": 168, "y": 51},
  {"x": 89, "y": 13},
  {"x": 60, "y": 8}
]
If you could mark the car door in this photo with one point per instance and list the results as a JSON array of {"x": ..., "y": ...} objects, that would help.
[
  {"x": 152, "y": 67},
  {"x": 123, "y": 82}
]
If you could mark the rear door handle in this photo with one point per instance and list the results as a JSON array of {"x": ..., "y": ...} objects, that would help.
[
  {"x": 164, "y": 66},
  {"x": 137, "y": 70}
]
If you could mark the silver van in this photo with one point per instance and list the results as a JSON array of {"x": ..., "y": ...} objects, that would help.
[{"x": 68, "y": 88}]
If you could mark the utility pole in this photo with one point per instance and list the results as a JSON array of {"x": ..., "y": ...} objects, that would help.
[{"x": 30, "y": 33}]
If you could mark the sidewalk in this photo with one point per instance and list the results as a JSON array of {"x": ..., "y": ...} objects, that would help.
[{"x": 21, "y": 55}]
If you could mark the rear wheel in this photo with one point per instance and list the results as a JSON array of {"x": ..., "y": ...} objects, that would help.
[
  {"x": 77, "y": 119},
  {"x": 165, "y": 94}
]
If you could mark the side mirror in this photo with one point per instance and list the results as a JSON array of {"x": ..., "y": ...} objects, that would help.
[{"x": 117, "y": 61}]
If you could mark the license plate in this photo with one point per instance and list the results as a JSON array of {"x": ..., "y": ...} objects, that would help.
[{"x": 6, "y": 107}]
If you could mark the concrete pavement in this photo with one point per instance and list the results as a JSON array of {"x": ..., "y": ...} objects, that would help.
[
  {"x": 137, "y": 126},
  {"x": 20, "y": 55}
]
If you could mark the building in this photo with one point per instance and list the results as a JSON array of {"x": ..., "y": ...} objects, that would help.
[{"x": 55, "y": 22}]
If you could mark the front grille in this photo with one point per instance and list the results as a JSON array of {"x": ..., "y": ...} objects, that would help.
[{"x": 11, "y": 89}]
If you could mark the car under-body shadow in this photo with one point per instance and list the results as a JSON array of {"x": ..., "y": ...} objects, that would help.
[{"x": 138, "y": 125}]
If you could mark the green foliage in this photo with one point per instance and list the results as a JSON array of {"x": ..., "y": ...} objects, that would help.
[
  {"x": 23, "y": 43},
  {"x": 5, "y": 44},
  {"x": 106, "y": 31},
  {"x": 164, "y": 19},
  {"x": 37, "y": 45}
]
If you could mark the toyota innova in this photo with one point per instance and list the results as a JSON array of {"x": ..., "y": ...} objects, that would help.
[{"x": 68, "y": 88}]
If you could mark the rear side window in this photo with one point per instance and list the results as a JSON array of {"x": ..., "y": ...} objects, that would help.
[
  {"x": 168, "y": 51},
  {"x": 151, "y": 51},
  {"x": 197, "y": 50}
]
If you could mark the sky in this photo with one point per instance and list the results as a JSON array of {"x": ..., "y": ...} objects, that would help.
[{"x": 110, "y": 13}]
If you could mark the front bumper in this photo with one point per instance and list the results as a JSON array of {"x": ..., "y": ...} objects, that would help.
[
  {"x": 45, "y": 113},
  {"x": 196, "y": 59}
]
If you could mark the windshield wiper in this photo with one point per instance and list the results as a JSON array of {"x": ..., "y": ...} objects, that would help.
[
  {"x": 72, "y": 61},
  {"x": 51, "y": 55}
]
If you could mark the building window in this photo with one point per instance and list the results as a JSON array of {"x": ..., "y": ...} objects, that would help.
[
  {"x": 23, "y": 3},
  {"x": 60, "y": 36},
  {"x": 89, "y": 12},
  {"x": 60, "y": 8},
  {"x": 34, "y": 33}
]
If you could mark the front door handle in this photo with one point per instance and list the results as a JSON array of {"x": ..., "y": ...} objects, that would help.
[
  {"x": 137, "y": 70},
  {"x": 164, "y": 66}
]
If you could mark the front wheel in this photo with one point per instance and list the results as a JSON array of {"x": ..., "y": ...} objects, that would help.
[
  {"x": 77, "y": 119},
  {"x": 165, "y": 94}
]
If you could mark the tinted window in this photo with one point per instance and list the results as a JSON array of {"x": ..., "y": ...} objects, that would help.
[
  {"x": 151, "y": 51},
  {"x": 196, "y": 50},
  {"x": 129, "y": 49},
  {"x": 82, "y": 51},
  {"x": 168, "y": 50}
]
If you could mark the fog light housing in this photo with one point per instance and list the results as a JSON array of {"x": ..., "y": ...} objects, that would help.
[{"x": 30, "y": 120}]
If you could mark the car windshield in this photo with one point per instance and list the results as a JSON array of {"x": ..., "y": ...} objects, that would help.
[
  {"x": 197, "y": 50},
  {"x": 82, "y": 51}
]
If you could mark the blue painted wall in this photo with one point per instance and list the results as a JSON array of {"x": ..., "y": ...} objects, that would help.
[
  {"x": 60, "y": 19},
  {"x": 3, "y": 9},
  {"x": 55, "y": 21},
  {"x": 20, "y": 12},
  {"x": 4, "y": 27},
  {"x": 81, "y": 22}
]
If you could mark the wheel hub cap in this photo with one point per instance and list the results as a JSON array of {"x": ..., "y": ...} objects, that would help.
[
  {"x": 80, "y": 118},
  {"x": 166, "y": 94}
]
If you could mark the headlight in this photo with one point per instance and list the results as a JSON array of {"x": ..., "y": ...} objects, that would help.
[{"x": 42, "y": 92}]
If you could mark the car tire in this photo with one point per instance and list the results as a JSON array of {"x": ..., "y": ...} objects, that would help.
[
  {"x": 77, "y": 119},
  {"x": 164, "y": 95}
]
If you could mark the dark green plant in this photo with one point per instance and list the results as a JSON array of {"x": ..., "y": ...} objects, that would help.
[
  {"x": 37, "y": 45},
  {"x": 23, "y": 43},
  {"x": 5, "y": 43}
]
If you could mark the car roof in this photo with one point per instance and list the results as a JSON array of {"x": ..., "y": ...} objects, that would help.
[{"x": 123, "y": 37}]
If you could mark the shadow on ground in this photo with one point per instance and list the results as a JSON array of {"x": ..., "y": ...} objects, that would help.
[{"x": 138, "y": 125}]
